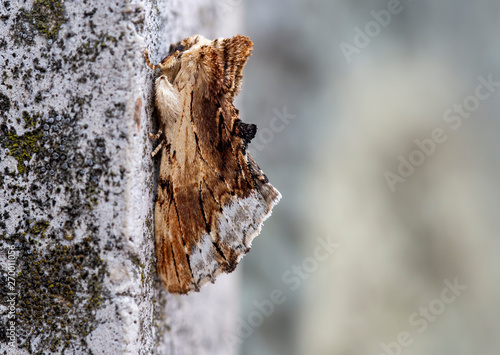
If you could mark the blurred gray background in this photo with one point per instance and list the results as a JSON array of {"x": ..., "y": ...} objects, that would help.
[{"x": 351, "y": 119}]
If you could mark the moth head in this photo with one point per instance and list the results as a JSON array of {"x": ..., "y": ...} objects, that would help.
[
  {"x": 190, "y": 43},
  {"x": 216, "y": 64},
  {"x": 172, "y": 63}
]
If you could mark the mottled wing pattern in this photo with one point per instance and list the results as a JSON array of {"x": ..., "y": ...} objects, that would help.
[{"x": 212, "y": 196}]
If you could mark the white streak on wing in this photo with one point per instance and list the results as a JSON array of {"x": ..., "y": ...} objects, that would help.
[
  {"x": 241, "y": 221},
  {"x": 203, "y": 259},
  {"x": 239, "y": 224}
]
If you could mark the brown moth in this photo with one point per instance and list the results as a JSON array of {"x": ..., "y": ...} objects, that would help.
[{"x": 212, "y": 196}]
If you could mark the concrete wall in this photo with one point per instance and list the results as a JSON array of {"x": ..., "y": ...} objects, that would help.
[{"x": 77, "y": 184}]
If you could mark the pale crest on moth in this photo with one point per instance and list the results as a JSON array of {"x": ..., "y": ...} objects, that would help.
[{"x": 212, "y": 196}]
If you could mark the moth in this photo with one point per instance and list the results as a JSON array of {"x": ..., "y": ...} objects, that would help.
[{"x": 212, "y": 196}]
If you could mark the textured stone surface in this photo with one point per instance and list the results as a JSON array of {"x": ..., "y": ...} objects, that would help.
[{"x": 77, "y": 185}]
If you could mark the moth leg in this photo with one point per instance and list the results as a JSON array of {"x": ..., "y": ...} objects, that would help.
[
  {"x": 148, "y": 62},
  {"x": 168, "y": 63},
  {"x": 156, "y": 136},
  {"x": 158, "y": 148}
]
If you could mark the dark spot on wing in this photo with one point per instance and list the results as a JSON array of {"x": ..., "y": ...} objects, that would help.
[{"x": 244, "y": 130}]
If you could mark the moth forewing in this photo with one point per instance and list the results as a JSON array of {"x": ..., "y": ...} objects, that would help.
[{"x": 212, "y": 197}]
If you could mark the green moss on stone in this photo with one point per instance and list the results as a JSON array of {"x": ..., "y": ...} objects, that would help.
[
  {"x": 30, "y": 121},
  {"x": 39, "y": 228},
  {"x": 60, "y": 290},
  {"x": 22, "y": 147},
  {"x": 48, "y": 16}
]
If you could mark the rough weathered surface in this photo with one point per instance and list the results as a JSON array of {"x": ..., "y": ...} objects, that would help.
[{"x": 77, "y": 184}]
